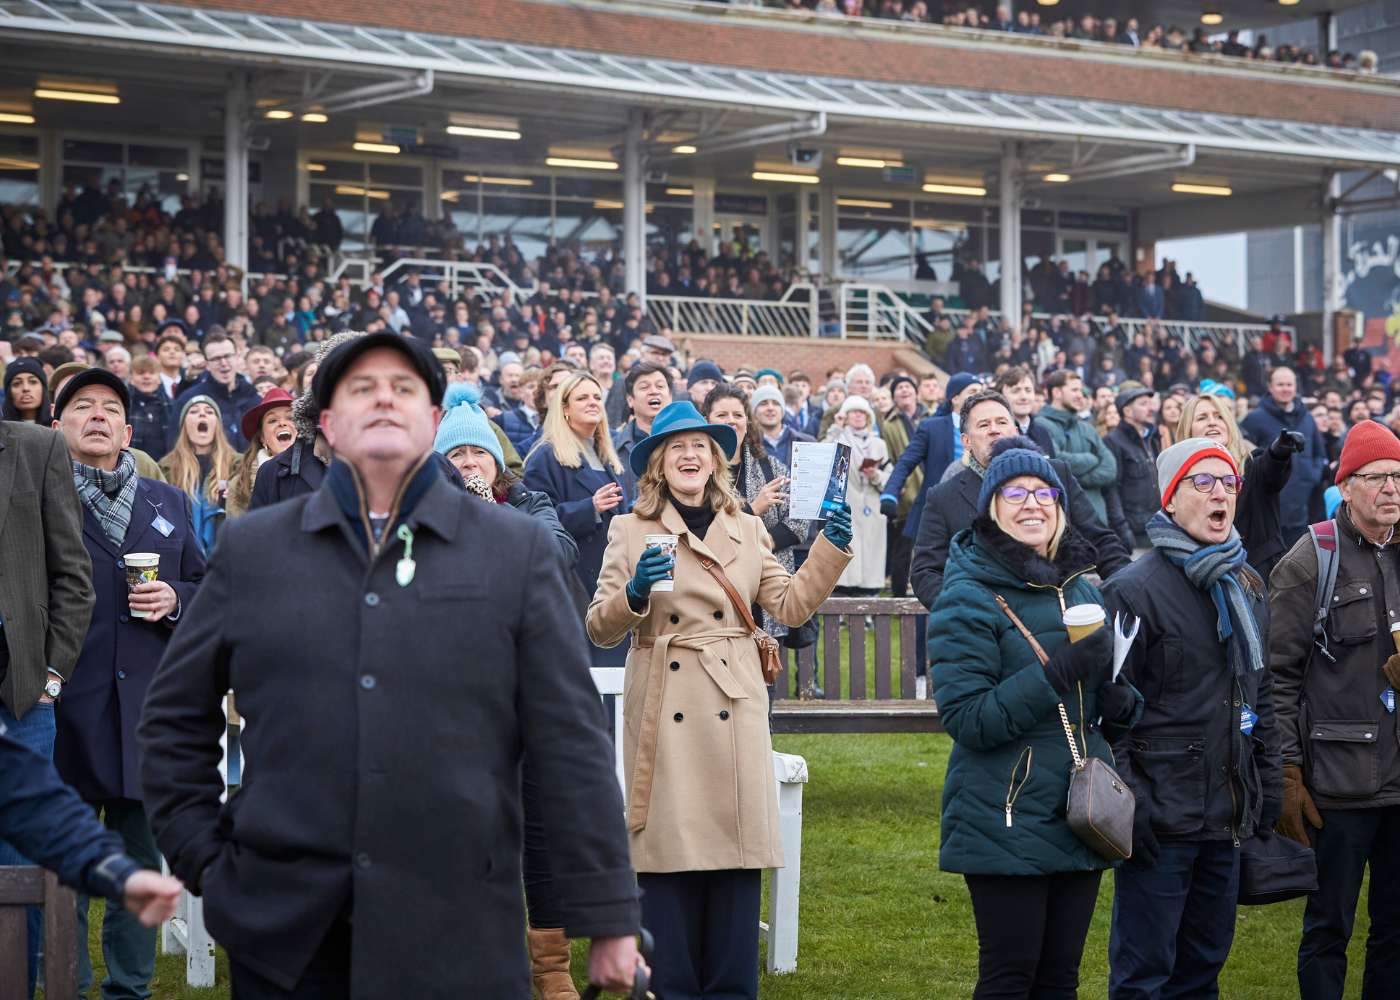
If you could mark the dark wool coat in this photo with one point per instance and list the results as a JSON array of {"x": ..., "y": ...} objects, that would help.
[
  {"x": 95, "y": 749},
  {"x": 931, "y": 449},
  {"x": 386, "y": 726},
  {"x": 1010, "y": 752}
]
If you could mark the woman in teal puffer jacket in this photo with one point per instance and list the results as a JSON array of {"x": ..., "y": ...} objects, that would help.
[{"x": 1033, "y": 882}]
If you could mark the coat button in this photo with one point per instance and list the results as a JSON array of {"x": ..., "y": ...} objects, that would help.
[
  {"x": 368, "y": 682},
  {"x": 675, "y": 619},
  {"x": 372, "y": 599},
  {"x": 675, "y": 665},
  {"x": 719, "y": 615},
  {"x": 679, "y": 717},
  {"x": 362, "y": 860},
  {"x": 121, "y": 564},
  {"x": 121, "y": 675},
  {"x": 126, "y": 618},
  {"x": 1362, "y": 590},
  {"x": 723, "y": 714}
]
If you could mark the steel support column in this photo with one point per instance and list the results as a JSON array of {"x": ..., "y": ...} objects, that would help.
[
  {"x": 236, "y": 121},
  {"x": 1010, "y": 221},
  {"x": 1331, "y": 264},
  {"x": 634, "y": 198}
]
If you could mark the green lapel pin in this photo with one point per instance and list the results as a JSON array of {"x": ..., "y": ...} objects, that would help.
[{"x": 406, "y": 567}]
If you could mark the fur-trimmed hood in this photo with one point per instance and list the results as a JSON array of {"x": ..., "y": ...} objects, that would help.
[{"x": 305, "y": 414}]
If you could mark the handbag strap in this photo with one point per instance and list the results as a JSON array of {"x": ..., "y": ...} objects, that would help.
[
  {"x": 745, "y": 615},
  {"x": 1044, "y": 659}
]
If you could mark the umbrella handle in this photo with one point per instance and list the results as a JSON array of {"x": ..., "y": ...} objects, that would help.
[{"x": 641, "y": 985}]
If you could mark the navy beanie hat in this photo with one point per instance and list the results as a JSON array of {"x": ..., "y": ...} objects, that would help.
[
  {"x": 1012, "y": 463},
  {"x": 958, "y": 383}
]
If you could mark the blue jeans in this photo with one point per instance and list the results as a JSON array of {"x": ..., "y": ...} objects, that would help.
[
  {"x": 1351, "y": 839},
  {"x": 1173, "y": 924},
  {"x": 36, "y": 731},
  {"x": 128, "y": 948}
]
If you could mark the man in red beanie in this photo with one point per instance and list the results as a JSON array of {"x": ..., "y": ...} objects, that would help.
[{"x": 1341, "y": 757}]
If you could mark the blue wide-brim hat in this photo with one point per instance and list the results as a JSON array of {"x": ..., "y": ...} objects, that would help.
[{"x": 674, "y": 419}]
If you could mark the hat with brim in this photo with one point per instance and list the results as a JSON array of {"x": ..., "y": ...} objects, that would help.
[
  {"x": 335, "y": 364},
  {"x": 678, "y": 418},
  {"x": 252, "y": 420},
  {"x": 87, "y": 377},
  {"x": 1127, "y": 397}
]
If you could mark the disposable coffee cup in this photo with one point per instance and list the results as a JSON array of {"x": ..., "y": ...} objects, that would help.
[
  {"x": 1083, "y": 620},
  {"x": 667, "y": 544},
  {"x": 1395, "y": 635},
  {"x": 141, "y": 567}
]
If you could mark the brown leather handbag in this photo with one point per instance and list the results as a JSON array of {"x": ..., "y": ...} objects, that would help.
[
  {"x": 1101, "y": 805},
  {"x": 770, "y": 656}
]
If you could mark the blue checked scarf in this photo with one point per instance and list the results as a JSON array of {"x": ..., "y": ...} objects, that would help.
[
  {"x": 109, "y": 495},
  {"x": 1216, "y": 570}
]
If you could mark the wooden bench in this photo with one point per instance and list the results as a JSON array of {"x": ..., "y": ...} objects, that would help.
[
  {"x": 874, "y": 697},
  {"x": 20, "y": 888}
]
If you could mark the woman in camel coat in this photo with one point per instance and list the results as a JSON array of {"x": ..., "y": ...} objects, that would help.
[{"x": 702, "y": 804}]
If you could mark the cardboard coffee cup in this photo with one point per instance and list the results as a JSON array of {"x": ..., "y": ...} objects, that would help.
[
  {"x": 141, "y": 567},
  {"x": 667, "y": 544},
  {"x": 1083, "y": 620}
]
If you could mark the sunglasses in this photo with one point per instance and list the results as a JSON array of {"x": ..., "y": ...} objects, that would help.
[
  {"x": 1204, "y": 482},
  {"x": 1017, "y": 495}
]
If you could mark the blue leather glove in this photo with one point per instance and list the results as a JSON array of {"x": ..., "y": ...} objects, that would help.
[
  {"x": 653, "y": 566},
  {"x": 838, "y": 527}
]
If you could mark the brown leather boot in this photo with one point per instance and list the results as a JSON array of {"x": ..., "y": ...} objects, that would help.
[{"x": 549, "y": 963}]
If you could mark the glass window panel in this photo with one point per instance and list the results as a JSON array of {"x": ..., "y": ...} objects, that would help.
[
  {"x": 349, "y": 208},
  {"x": 90, "y": 177},
  {"x": 876, "y": 248},
  {"x": 669, "y": 227},
  {"x": 524, "y": 221},
  {"x": 172, "y": 158},
  {"x": 163, "y": 185},
  {"x": 19, "y": 146},
  {"x": 1075, "y": 251},
  {"x": 406, "y": 174},
  {"x": 92, "y": 152},
  {"x": 340, "y": 170},
  {"x": 1037, "y": 218},
  {"x": 587, "y": 187},
  {"x": 587, "y": 225},
  {"x": 1036, "y": 245},
  {"x": 19, "y": 187},
  {"x": 936, "y": 245},
  {"x": 948, "y": 211}
]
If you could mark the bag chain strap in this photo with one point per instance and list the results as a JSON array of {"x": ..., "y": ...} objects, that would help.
[{"x": 1044, "y": 659}]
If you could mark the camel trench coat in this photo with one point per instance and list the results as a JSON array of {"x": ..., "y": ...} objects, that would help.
[{"x": 696, "y": 745}]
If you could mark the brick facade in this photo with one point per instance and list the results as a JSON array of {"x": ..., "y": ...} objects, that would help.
[
  {"x": 813, "y": 356},
  {"x": 927, "y": 57}
]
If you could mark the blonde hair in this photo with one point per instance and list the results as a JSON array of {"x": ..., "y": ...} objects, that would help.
[
  {"x": 557, "y": 433},
  {"x": 651, "y": 485},
  {"x": 1234, "y": 441},
  {"x": 181, "y": 465}
]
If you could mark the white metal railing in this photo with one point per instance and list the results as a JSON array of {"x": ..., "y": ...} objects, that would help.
[
  {"x": 1191, "y": 332},
  {"x": 877, "y": 313},
  {"x": 785, "y": 317}
]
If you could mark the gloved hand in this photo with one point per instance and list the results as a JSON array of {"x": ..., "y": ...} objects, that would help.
[
  {"x": 838, "y": 527},
  {"x": 1116, "y": 702},
  {"x": 1286, "y": 444},
  {"x": 889, "y": 506},
  {"x": 1297, "y": 807},
  {"x": 1392, "y": 671},
  {"x": 1089, "y": 661},
  {"x": 653, "y": 566},
  {"x": 1145, "y": 846}
]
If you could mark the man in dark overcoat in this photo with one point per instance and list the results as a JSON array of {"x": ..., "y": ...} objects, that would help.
[
  {"x": 95, "y": 749},
  {"x": 374, "y": 847}
]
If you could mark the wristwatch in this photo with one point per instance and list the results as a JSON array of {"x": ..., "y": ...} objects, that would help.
[{"x": 53, "y": 687}]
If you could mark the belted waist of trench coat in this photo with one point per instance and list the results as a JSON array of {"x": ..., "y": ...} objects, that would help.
[{"x": 644, "y": 766}]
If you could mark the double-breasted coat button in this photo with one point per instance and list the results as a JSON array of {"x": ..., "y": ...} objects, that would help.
[
  {"x": 121, "y": 675},
  {"x": 368, "y": 682},
  {"x": 679, "y": 716},
  {"x": 372, "y": 599},
  {"x": 675, "y": 665},
  {"x": 675, "y": 619},
  {"x": 719, "y": 615},
  {"x": 723, "y": 714},
  {"x": 362, "y": 860}
]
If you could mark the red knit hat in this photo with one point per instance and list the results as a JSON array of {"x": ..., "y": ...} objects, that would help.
[{"x": 1367, "y": 442}]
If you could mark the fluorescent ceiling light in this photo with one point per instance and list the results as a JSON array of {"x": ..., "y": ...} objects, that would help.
[
  {"x": 1047, "y": 3},
  {"x": 315, "y": 118},
  {"x": 81, "y": 96},
  {"x": 872, "y": 162},
  {"x": 1216, "y": 190},
  {"x": 375, "y": 147},
  {"x": 606, "y": 203},
  {"x": 351, "y": 189},
  {"x": 579, "y": 162},
  {"x": 1056, "y": 178},
  {"x": 684, "y": 149},
  {"x": 503, "y": 181},
  {"x": 316, "y": 168},
  {"x": 478, "y": 132},
  {"x": 278, "y": 114},
  {"x": 773, "y": 175},
  {"x": 9, "y": 163},
  {"x": 1212, "y": 18},
  {"x": 863, "y": 203},
  {"x": 681, "y": 192},
  {"x": 182, "y": 177},
  {"x": 14, "y": 118},
  {"x": 1287, "y": 3},
  {"x": 966, "y": 190}
]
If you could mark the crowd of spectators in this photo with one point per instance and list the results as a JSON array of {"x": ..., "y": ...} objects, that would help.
[{"x": 1126, "y": 30}]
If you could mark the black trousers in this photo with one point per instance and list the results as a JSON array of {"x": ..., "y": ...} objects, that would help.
[
  {"x": 899, "y": 552},
  {"x": 541, "y": 901},
  {"x": 1030, "y": 933},
  {"x": 327, "y": 976},
  {"x": 1351, "y": 839},
  {"x": 706, "y": 930}
]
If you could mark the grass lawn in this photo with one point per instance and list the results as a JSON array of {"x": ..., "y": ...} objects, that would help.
[{"x": 879, "y": 920}]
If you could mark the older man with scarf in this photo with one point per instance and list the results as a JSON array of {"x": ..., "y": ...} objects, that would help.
[{"x": 1203, "y": 761}]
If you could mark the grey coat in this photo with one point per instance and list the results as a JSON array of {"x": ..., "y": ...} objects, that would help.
[{"x": 46, "y": 592}]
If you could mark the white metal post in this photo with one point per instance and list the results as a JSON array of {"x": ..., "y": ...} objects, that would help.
[
  {"x": 1331, "y": 263},
  {"x": 236, "y": 122},
  {"x": 634, "y": 199},
  {"x": 1010, "y": 233}
]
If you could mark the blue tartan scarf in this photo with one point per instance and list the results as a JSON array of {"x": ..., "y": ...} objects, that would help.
[{"x": 1216, "y": 570}]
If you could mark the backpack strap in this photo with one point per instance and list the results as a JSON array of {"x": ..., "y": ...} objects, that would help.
[{"x": 1324, "y": 541}]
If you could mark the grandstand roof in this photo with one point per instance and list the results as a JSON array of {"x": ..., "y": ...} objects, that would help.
[{"x": 247, "y": 38}]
